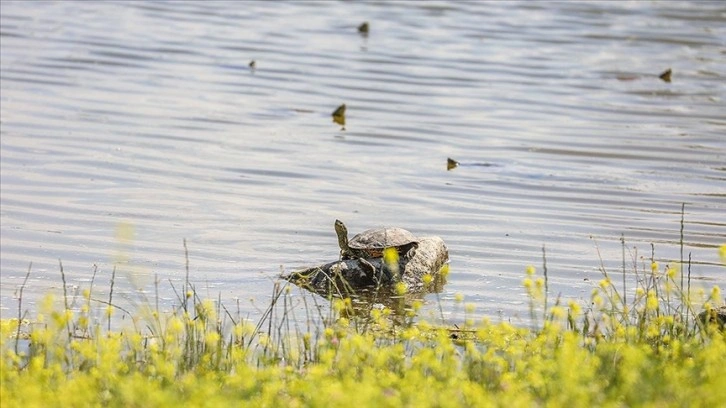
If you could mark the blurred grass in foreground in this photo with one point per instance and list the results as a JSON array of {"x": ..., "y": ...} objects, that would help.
[{"x": 652, "y": 349}]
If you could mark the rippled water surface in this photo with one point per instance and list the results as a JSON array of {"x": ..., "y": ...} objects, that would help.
[{"x": 128, "y": 127}]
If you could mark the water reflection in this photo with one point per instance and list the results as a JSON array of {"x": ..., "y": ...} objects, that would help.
[{"x": 364, "y": 299}]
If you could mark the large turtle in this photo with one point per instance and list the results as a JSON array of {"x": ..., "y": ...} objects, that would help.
[
  {"x": 345, "y": 277},
  {"x": 372, "y": 242}
]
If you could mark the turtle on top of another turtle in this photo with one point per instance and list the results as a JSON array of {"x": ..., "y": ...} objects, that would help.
[
  {"x": 371, "y": 243},
  {"x": 361, "y": 262}
]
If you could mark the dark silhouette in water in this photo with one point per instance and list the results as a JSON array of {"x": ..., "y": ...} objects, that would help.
[{"x": 348, "y": 276}]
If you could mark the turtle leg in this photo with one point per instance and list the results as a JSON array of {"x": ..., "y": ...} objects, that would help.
[
  {"x": 319, "y": 277},
  {"x": 390, "y": 272},
  {"x": 372, "y": 269},
  {"x": 393, "y": 272}
]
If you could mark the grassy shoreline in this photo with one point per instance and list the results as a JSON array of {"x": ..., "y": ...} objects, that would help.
[{"x": 647, "y": 348}]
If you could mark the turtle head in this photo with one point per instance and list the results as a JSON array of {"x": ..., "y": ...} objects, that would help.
[{"x": 342, "y": 232}]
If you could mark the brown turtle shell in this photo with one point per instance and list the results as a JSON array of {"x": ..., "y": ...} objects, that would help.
[{"x": 375, "y": 240}]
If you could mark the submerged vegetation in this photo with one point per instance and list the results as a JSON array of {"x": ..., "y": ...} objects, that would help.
[{"x": 645, "y": 346}]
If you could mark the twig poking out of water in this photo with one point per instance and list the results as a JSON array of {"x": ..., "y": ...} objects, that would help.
[
  {"x": 65, "y": 297},
  {"x": 63, "y": 279},
  {"x": 688, "y": 292},
  {"x": 156, "y": 293},
  {"x": 20, "y": 306},
  {"x": 276, "y": 292},
  {"x": 653, "y": 275},
  {"x": 546, "y": 282},
  {"x": 110, "y": 298},
  {"x": 680, "y": 242},
  {"x": 90, "y": 292},
  {"x": 622, "y": 247},
  {"x": 364, "y": 28},
  {"x": 186, "y": 276}
]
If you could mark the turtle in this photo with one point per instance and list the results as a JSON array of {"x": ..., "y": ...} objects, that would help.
[
  {"x": 371, "y": 243},
  {"x": 343, "y": 277}
]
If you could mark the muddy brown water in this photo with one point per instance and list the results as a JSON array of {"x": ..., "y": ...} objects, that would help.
[{"x": 127, "y": 127}]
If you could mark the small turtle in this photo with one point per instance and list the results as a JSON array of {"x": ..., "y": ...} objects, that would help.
[{"x": 372, "y": 242}]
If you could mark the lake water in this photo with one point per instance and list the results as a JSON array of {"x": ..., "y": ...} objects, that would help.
[{"x": 127, "y": 127}]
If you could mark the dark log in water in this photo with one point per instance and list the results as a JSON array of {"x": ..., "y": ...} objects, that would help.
[{"x": 348, "y": 276}]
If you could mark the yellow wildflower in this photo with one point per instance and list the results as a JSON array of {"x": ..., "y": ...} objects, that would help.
[
  {"x": 444, "y": 271},
  {"x": 427, "y": 279},
  {"x": 652, "y": 301},
  {"x": 575, "y": 308},
  {"x": 716, "y": 293}
]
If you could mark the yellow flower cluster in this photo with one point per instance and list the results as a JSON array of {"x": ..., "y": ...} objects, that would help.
[
  {"x": 652, "y": 351},
  {"x": 419, "y": 365}
]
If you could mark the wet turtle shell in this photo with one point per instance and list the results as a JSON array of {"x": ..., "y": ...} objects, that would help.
[{"x": 372, "y": 242}]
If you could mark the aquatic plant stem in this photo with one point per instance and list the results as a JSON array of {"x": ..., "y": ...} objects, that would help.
[
  {"x": 680, "y": 242},
  {"x": 622, "y": 245},
  {"x": 65, "y": 298},
  {"x": 20, "y": 306},
  {"x": 546, "y": 282},
  {"x": 186, "y": 276},
  {"x": 654, "y": 276},
  {"x": 110, "y": 296},
  {"x": 688, "y": 292},
  {"x": 90, "y": 293}
]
